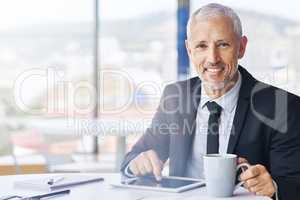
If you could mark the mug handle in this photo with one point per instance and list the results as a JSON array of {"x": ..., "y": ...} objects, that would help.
[{"x": 242, "y": 166}]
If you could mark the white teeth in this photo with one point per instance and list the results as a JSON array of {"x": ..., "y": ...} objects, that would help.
[{"x": 214, "y": 70}]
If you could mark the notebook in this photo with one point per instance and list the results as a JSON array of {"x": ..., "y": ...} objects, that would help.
[{"x": 57, "y": 182}]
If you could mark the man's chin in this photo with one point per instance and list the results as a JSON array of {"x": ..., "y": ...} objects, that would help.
[{"x": 214, "y": 85}]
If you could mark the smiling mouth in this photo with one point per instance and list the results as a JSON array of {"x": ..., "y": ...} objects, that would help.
[{"x": 213, "y": 71}]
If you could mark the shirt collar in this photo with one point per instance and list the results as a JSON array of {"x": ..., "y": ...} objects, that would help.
[{"x": 228, "y": 101}]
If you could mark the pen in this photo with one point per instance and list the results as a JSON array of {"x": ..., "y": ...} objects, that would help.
[
  {"x": 37, "y": 197},
  {"x": 53, "y": 180}
]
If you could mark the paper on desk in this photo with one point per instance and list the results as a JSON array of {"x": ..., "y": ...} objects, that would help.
[{"x": 69, "y": 180}]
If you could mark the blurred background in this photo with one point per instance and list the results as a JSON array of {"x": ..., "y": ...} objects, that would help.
[{"x": 81, "y": 79}]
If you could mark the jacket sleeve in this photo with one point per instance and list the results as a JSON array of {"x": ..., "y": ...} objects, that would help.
[
  {"x": 157, "y": 136},
  {"x": 285, "y": 153}
]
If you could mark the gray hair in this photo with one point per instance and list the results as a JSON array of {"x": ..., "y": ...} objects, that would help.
[{"x": 214, "y": 10}]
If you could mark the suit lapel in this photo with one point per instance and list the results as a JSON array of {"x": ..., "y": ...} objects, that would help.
[
  {"x": 238, "y": 123},
  {"x": 242, "y": 108}
]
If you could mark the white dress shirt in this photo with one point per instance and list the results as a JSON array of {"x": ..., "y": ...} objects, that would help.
[{"x": 228, "y": 103}]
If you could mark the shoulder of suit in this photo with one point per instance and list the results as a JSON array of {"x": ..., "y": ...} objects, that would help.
[
  {"x": 263, "y": 90},
  {"x": 182, "y": 87},
  {"x": 266, "y": 98},
  {"x": 187, "y": 82}
]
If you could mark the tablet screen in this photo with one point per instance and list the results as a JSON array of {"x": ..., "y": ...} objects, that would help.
[{"x": 164, "y": 183}]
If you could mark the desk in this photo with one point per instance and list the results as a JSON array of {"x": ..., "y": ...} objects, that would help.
[{"x": 103, "y": 191}]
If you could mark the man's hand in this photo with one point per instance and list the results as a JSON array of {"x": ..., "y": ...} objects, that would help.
[
  {"x": 145, "y": 163},
  {"x": 257, "y": 179}
]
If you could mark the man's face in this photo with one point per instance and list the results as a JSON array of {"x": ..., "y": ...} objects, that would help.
[{"x": 214, "y": 49}]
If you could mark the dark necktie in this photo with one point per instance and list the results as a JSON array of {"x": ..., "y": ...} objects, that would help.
[{"x": 213, "y": 127}]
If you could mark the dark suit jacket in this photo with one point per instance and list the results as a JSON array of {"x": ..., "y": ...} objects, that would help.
[{"x": 266, "y": 130}]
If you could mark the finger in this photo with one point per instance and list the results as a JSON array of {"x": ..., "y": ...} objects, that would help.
[
  {"x": 157, "y": 168},
  {"x": 261, "y": 193},
  {"x": 265, "y": 189},
  {"x": 264, "y": 192},
  {"x": 133, "y": 168},
  {"x": 256, "y": 189},
  {"x": 148, "y": 166},
  {"x": 261, "y": 186},
  {"x": 252, "y": 182},
  {"x": 241, "y": 160},
  {"x": 249, "y": 183},
  {"x": 142, "y": 163},
  {"x": 142, "y": 170},
  {"x": 156, "y": 164},
  {"x": 251, "y": 172}
]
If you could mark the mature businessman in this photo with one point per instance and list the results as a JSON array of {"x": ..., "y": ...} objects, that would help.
[{"x": 256, "y": 121}]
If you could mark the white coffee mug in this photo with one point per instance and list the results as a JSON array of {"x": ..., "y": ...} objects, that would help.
[{"x": 220, "y": 174}]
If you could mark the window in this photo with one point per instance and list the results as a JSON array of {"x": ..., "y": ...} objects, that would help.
[
  {"x": 272, "y": 28},
  {"x": 46, "y": 58},
  {"x": 47, "y": 78}
]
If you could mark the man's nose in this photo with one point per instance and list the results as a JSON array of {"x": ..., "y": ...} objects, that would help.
[{"x": 213, "y": 56}]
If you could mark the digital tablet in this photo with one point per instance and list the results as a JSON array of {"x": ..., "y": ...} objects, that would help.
[{"x": 167, "y": 184}]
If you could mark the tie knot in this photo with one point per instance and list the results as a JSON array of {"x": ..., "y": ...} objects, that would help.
[{"x": 214, "y": 108}]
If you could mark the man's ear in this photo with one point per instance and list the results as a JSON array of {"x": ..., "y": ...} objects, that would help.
[
  {"x": 243, "y": 44},
  {"x": 188, "y": 49}
]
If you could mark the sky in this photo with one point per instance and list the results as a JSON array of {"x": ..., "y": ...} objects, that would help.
[{"x": 22, "y": 12}]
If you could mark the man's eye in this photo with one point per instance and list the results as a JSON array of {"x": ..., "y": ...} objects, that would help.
[
  {"x": 223, "y": 45},
  {"x": 201, "y": 46}
]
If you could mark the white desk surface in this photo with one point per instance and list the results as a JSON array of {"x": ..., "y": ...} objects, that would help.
[{"x": 103, "y": 191}]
